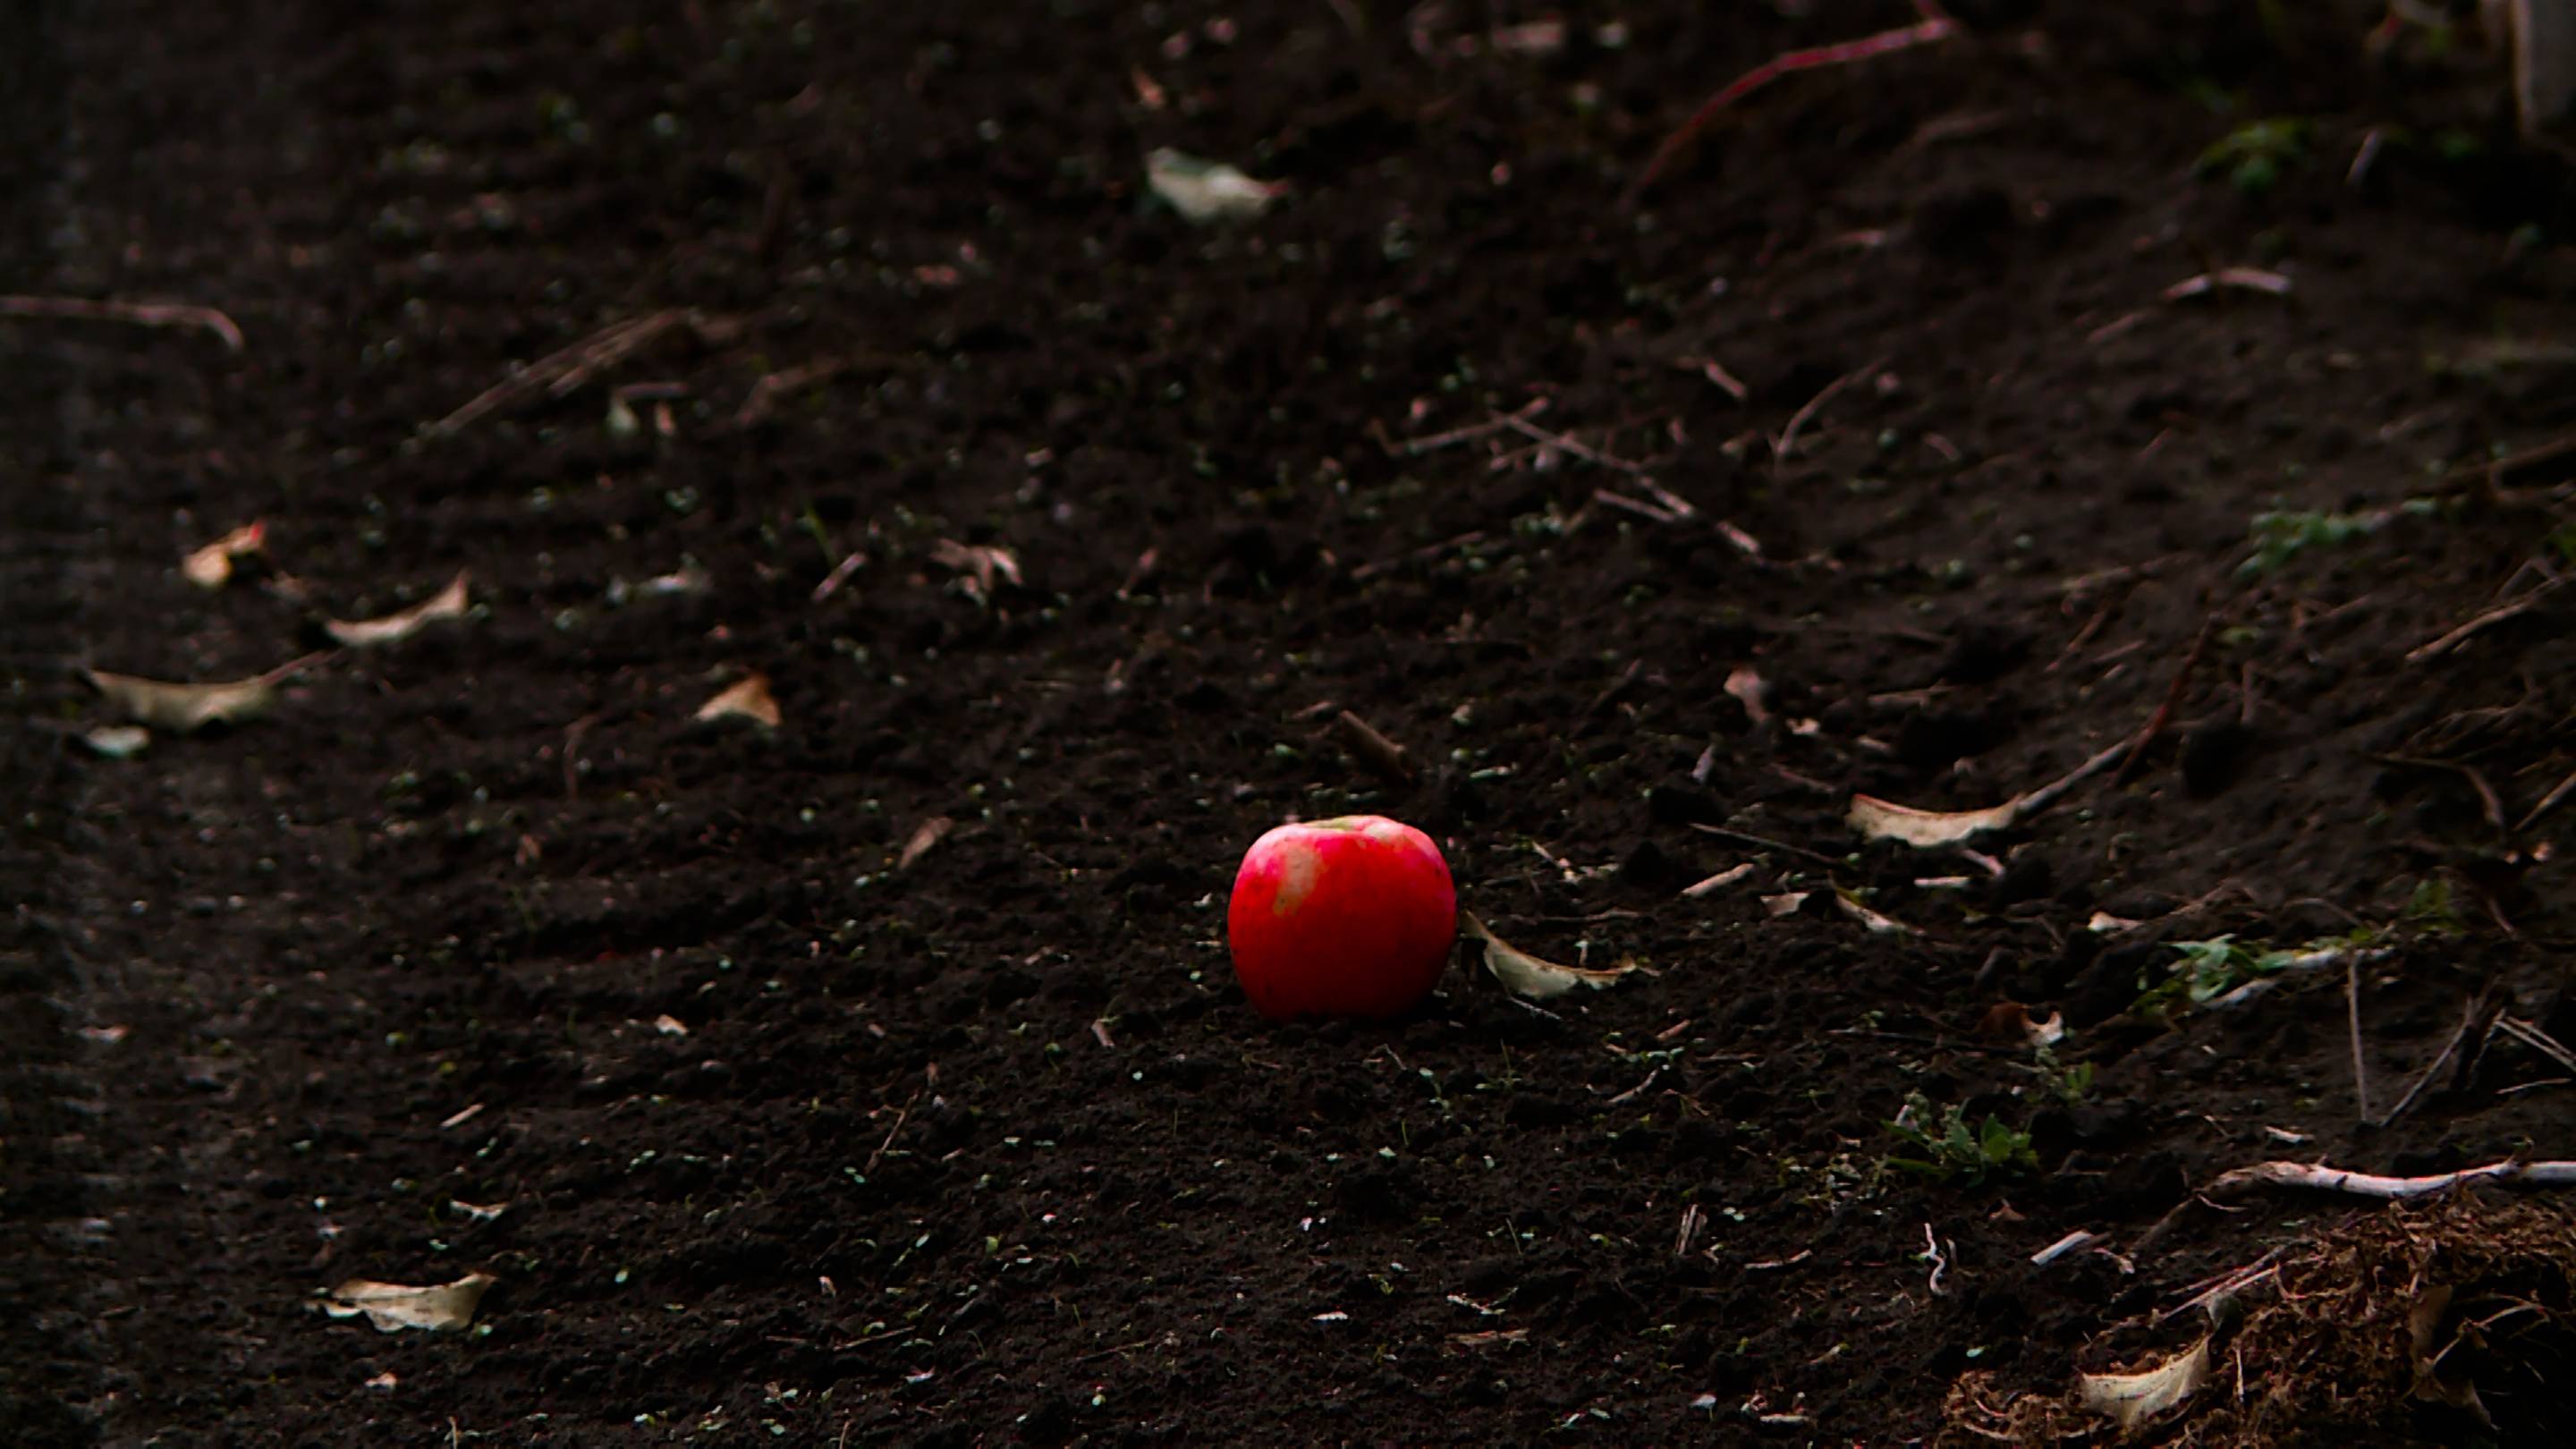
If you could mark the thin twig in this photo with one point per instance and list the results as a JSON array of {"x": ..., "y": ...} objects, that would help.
[
  {"x": 1746, "y": 837},
  {"x": 2352, "y": 1014},
  {"x": 142, "y": 314},
  {"x": 900, "y": 1113},
  {"x": 1373, "y": 749},
  {"x": 2550, "y": 801},
  {"x": 2468, "y": 1020},
  {"x": 2173, "y": 696},
  {"x": 2538, "y": 1040},
  {"x": 565, "y": 369},
  {"x": 2487, "y": 619},
  {"x": 1934, "y": 26},
  {"x": 1788, "y": 438}
]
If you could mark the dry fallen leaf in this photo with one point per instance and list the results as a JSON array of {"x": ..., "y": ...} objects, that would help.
[
  {"x": 186, "y": 707},
  {"x": 749, "y": 699},
  {"x": 391, "y": 1307},
  {"x": 2133, "y": 1399},
  {"x": 479, "y": 1212},
  {"x": 669, "y": 1025},
  {"x": 210, "y": 566},
  {"x": 927, "y": 834},
  {"x": 1787, "y": 904},
  {"x": 1719, "y": 881},
  {"x": 1886, "y": 820},
  {"x": 1526, "y": 975},
  {"x": 447, "y": 603},
  {"x": 1204, "y": 191}
]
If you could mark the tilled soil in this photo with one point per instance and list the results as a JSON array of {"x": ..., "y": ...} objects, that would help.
[{"x": 1876, "y": 455}]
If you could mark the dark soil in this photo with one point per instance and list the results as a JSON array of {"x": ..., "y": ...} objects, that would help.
[{"x": 801, "y": 1146}]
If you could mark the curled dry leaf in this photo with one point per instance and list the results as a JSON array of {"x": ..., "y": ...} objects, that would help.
[
  {"x": 211, "y": 566},
  {"x": 925, "y": 835},
  {"x": 447, "y": 603},
  {"x": 479, "y": 1211},
  {"x": 982, "y": 562},
  {"x": 1205, "y": 191},
  {"x": 1879, "y": 819},
  {"x": 1526, "y": 975},
  {"x": 392, "y": 1307},
  {"x": 186, "y": 707},
  {"x": 2134, "y": 1399},
  {"x": 749, "y": 699},
  {"x": 1787, "y": 904}
]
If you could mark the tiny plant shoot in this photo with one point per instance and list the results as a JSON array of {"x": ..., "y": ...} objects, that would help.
[{"x": 1352, "y": 917}]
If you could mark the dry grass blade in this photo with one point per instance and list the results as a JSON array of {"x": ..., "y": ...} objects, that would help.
[
  {"x": 748, "y": 699},
  {"x": 562, "y": 371},
  {"x": 187, "y": 707},
  {"x": 392, "y": 1307},
  {"x": 141, "y": 314},
  {"x": 447, "y": 603},
  {"x": 1526, "y": 975}
]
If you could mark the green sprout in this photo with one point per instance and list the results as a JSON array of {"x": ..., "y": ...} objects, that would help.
[
  {"x": 2253, "y": 156},
  {"x": 1952, "y": 1151}
]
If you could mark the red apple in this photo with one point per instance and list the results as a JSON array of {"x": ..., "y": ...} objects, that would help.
[{"x": 1347, "y": 917}]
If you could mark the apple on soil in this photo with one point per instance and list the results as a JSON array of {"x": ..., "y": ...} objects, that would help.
[{"x": 1347, "y": 917}]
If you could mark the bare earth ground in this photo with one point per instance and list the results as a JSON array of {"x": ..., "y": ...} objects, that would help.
[{"x": 797, "y": 1144}]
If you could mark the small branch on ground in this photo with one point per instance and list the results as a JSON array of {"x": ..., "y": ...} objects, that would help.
[
  {"x": 2352, "y": 1015},
  {"x": 1788, "y": 438},
  {"x": 2321, "y": 1178},
  {"x": 141, "y": 314}
]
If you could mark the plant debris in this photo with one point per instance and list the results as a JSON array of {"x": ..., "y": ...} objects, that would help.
[
  {"x": 210, "y": 566},
  {"x": 184, "y": 708},
  {"x": 2133, "y": 1400},
  {"x": 981, "y": 563},
  {"x": 924, "y": 836},
  {"x": 392, "y": 1307},
  {"x": 748, "y": 699},
  {"x": 118, "y": 742},
  {"x": 1526, "y": 975},
  {"x": 1886, "y": 820},
  {"x": 447, "y": 603},
  {"x": 1205, "y": 191}
]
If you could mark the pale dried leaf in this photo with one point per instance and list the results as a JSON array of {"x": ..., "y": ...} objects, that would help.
[
  {"x": 1879, "y": 819},
  {"x": 1749, "y": 690},
  {"x": 392, "y": 1307},
  {"x": 2046, "y": 1033},
  {"x": 2106, "y": 924},
  {"x": 447, "y": 603},
  {"x": 1526, "y": 975},
  {"x": 209, "y": 567},
  {"x": 749, "y": 699},
  {"x": 1205, "y": 191},
  {"x": 2134, "y": 1399},
  {"x": 479, "y": 1212},
  {"x": 118, "y": 742},
  {"x": 925, "y": 835},
  {"x": 669, "y": 1025},
  {"x": 1787, "y": 904},
  {"x": 384, "y": 1382},
  {"x": 185, "y": 707}
]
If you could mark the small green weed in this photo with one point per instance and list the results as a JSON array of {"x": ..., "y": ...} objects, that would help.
[
  {"x": 2070, "y": 1085},
  {"x": 1952, "y": 1151},
  {"x": 2280, "y": 537},
  {"x": 2210, "y": 969},
  {"x": 2253, "y": 156}
]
